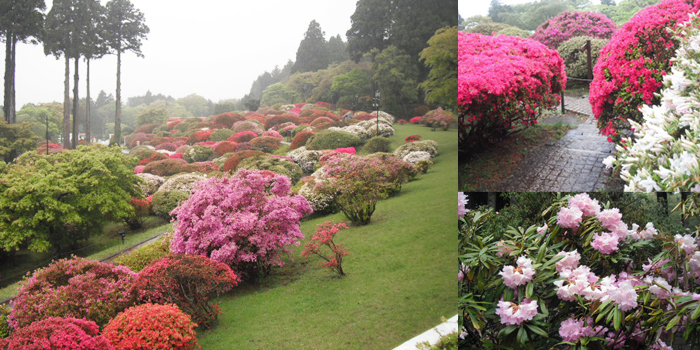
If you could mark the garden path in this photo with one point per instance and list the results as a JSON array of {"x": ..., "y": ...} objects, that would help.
[{"x": 572, "y": 164}]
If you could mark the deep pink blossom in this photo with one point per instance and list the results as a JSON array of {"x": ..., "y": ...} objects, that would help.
[{"x": 569, "y": 24}]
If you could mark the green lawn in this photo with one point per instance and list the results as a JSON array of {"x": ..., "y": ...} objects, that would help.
[{"x": 400, "y": 275}]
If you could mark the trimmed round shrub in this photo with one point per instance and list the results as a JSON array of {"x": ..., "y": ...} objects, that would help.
[
  {"x": 332, "y": 139},
  {"x": 267, "y": 144},
  {"x": 632, "y": 65},
  {"x": 142, "y": 151},
  {"x": 198, "y": 153},
  {"x": 73, "y": 287},
  {"x": 439, "y": 118},
  {"x": 569, "y": 24},
  {"x": 273, "y": 133},
  {"x": 221, "y": 135},
  {"x": 489, "y": 28},
  {"x": 146, "y": 128},
  {"x": 202, "y": 167},
  {"x": 377, "y": 144},
  {"x": 309, "y": 115},
  {"x": 188, "y": 281},
  {"x": 277, "y": 165},
  {"x": 306, "y": 159},
  {"x": 58, "y": 333},
  {"x": 226, "y": 119},
  {"x": 138, "y": 138},
  {"x": 243, "y": 136},
  {"x": 199, "y": 136},
  {"x": 164, "y": 202},
  {"x": 248, "y": 125},
  {"x": 224, "y": 147},
  {"x": 182, "y": 182},
  {"x": 322, "y": 123},
  {"x": 166, "y": 167},
  {"x": 491, "y": 101},
  {"x": 232, "y": 162},
  {"x": 514, "y": 31},
  {"x": 150, "y": 183},
  {"x": 247, "y": 221},
  {"x": 429, "y": 146},
  {"x": 155, "y": 156},
  {"x": 301, "y": 138},
  {"x": 138, "y": 259},
  {"x": 575, "y": 59},
  {"x": 274, "y": 121},
  {"x": 168, "y": 146},
  {"x": 152, "y": 326}
]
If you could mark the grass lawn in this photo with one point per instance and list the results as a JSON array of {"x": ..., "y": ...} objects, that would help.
[
  {"x": 98, "y": 247},
  {"x": 400, "y": 275}
]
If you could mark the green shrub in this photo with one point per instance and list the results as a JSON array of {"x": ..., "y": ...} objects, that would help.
[
  {"x": 514, "y": 31},
  {"x": 282, "y": 150},
  {"x": 275, "y": 164},
  {"x": 377, "y": 144},
  {"x": 4, "y": 326},
  {"x": 221, "y": 135},
  {"x": 144, "y": 256},
  {"x": 332, "y": 139},
  {"x": 198, "y": 153},
  {"x": 575, "y": 60},
  {"x": 164, "y": 202}
]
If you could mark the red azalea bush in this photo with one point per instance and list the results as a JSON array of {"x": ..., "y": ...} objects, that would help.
[
  {"x": 412, "y": 138},
  {"x": 152, "y": 326},
  {"x": 364, "y": 116},
  {"x": 267, "y": 144},
  {"x": 227, "y": 119},
  {"x": 243, "y": 146},
  {"x": 631, "y": 67},
  {"x": 322, "y": 123},
  {"x": 57, "y": 333},
  {"x": 416, "y": 120},
  {"x": 146, "y": 128},
  {"x": 188, "y": 281},
  {"x": 139, "y": 169},
  {"x": 232, "y": 161},
  {"x": 324, "y": 105},
  {"x": 142, "y": 208},
  {"x": 248, "y": 125},
  {"x": 202, "y": 167},
  {"x": 224, "y": 147},
  {"x": 199, "y": 136},
  {"x": 243, "y": 136},
  {"x": 166, "y": 167},
  {"x": 324, "y": 236},
  {"x": 244, "y": 221},
  {"x": 73, "y": 287},
  {"x": 176, "y": 155},
  {"x": 273, "y": 121},
  {"x": 309, "y": 115},
  {"x": 569, "y": 24},
  {"x": 402, "y": 121},
  {"x": 301, "y": 138},
  {"x": 155, "y": 156},
  {"x": 502, "y": 81},
  {"x": 438, "y": 118}
]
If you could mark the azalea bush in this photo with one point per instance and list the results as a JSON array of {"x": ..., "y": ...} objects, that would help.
[
  {"x": 504, "y": 81},
  {"x": 569, "y": 24},
  {"x": 582, "y": 277},
  {"x": 73, "y": 287},
  {"x": 332, "y": 139},
  {"x": 663, "y": 154},
  {"x": 324, "y": 237},
  {"x": 188, "y": 281},
  {"x": 301, "y": 138},
  {"x": 632, "y": 66},
  {"x": 152, "y": 326},
  {"x": 245, "y": 221},
  {"x": 277, "y": 165},
  {"x": 145, "y": 255},
  {"x": 58, "y": 333}
]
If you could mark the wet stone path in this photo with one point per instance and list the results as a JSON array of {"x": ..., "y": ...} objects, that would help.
[{"x": 572, "y": 164}]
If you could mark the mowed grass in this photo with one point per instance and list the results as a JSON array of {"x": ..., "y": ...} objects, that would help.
[{"x": 400, "y": 275}]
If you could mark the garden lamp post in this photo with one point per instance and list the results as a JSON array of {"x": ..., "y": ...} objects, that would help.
[
  {"x": 376, "y": 105},
  {"x": 123, "y": 234}
]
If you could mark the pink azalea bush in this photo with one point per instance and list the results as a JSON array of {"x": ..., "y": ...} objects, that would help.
[
  {"x": 632, "y": 65},
  {"x": 244, "y": 221},
  {"x": 57, "y": 333},
  {"x": 581, "y": 274},
  {"x": 569, "y": 24},
  {"x": 504, "y": 81},
  {"x": 73, "y": 287}
]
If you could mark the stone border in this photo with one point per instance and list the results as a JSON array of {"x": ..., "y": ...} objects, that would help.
[{"x": 432, "y": 335}]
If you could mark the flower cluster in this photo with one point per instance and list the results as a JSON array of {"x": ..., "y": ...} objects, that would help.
[
  {"x": 513, "y": 314},
  {"x": 663, "y": 155},
  {"x": 502, "y": 81},
  {"x": 632, "y": 65},
  {"x": 569, "y": 24},
  {"x": 152, "y": 326},
  {"x": 58, "y": 333}
]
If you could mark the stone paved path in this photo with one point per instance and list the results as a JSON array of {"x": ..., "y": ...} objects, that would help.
[{"x": 572, "y": 164}]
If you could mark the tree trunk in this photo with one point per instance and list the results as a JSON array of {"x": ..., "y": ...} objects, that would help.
[
  {"x": 8, "y": 68},
  {"x": 66, "y": 105},
  {"x": 13, "y": 104},
  {"x": 87, "y": 106},
  {"x": 118, "y": 113},
  {"x": 76, "y": 103}
]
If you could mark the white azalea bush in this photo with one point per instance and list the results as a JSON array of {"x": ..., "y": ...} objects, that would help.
[
  {"x": 582, "y": 278},
  {"x": 305, "y": 158},
  {"x": 428, "y": 146},
  {"x": 663, "y": 154},
  {"x": 150, "y": 183}
]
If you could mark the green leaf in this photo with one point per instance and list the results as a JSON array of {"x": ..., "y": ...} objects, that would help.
[
  {"x": 522, "y": 336},
  {"x": 529, "y": 289},
  {"x": 673, "y": 322},
  {"x": 696, "y": 312},
  {"x": 617, "y": 316},
  {"x": 506, "y": 331},
  {"x": 538, "y": 330}
]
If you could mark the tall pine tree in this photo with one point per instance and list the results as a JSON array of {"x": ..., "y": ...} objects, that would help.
[{"x": 312, "y": 53}]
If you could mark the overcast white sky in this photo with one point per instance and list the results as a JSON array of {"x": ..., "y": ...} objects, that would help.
[
  {"x": 213, "y": 48},
  {"x": 468, "y": 8}
]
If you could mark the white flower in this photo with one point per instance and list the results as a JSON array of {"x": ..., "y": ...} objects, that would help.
[{"x": 609, "y": 161}]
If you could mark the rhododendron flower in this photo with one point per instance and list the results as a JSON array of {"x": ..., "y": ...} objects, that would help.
[
  {"x": 609, "y": 218},
  {"x": 520, "y": 275},
  {"x": 660, "y": 345},
  {"x": 463, "y": 271},
  {"x": 588, "y": 206},
  {"x": 569, "y": 262},
  {"x": 542, "y": 229},
  {"x": 605, "y": 243},
  {"x": 649, "y": 231},
  {"x": 513, "y": 314},
  {"x": 571, "y": 330},
  {"x": 625, "y": 296},
  {"x": 462, "y": 201},
  {"x": 660, "y": 288},
  {"x": 694, "y": 264},
  {"x": 686, "y": 243},
  {"x": 575, "y": 282},
  {"x": 503, "y": 250},
  {"x": 569, "y": 217}
]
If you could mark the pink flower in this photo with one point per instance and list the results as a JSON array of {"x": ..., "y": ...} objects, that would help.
[
  {"x": 605, "y": 243},
  {"x": 139, "y": 169},
  {"x": 520, "y": 275},
  {"x": 694, "y": 264},
  {"x": 542, "y": 229},
  {"x": 461, "y": 204},
  {"x": 571, "y": 330},
  {"x": 463, "y": 271},
  {"x": 503, "y": 250},
  {"x": 649, "y": 231},
  {"x": 514, "y": 314},
  {"x": 574, "y": 282},
  {"x": 588, "y": 206},
  {"x": 625, "y": 296},
  {"x": 660, "y": 288},
  {"x": 569, "y": 217},
  {"x": 686, "y": 242},
  {"x": 609, "y": 218},
  {"x": 569, "y": 262}
]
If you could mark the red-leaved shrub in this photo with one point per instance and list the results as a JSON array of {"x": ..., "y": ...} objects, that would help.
[
  {"x": 301, "y": 138},
  {"x": 201, "y": 167},
  {"x": 152, "y": 326},
  {"x": 166, "y": 167},
  {"x": 232, "y": 161},
  {"x": 412, "y": 138},
  {"x": 224, "y": 147},
  {"x": 324, "y": 236},
  {"x": 267, "y": 144},
  {"x": 57, "y": 333},
  {"x": 273, "y": 121},
  {"x": 155, "y": 156},
  {"x": 243, "y": 136},
  {"x": 199, "y": 136},
  {"x": 227, "y": 119}
]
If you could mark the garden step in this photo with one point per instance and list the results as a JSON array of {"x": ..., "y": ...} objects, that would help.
[{"x": 432, "y": 335}]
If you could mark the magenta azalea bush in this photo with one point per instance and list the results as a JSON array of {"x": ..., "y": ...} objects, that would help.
[
  {"x": 75, "y": 287},
  {"x": 632, "y": 65},
  {"x": 584, "y": 278},
  {"x": 504, "y": 81},
  {"x": 569, "y": 24},
  {"x": 244, "y": 221}
]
